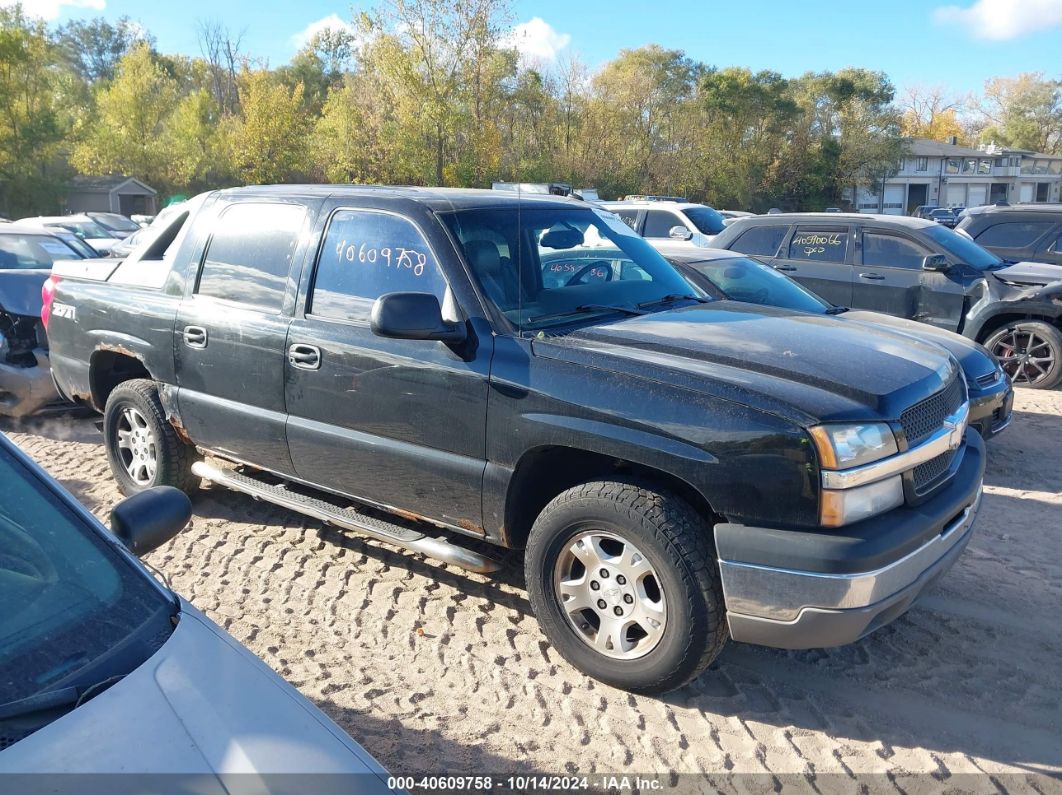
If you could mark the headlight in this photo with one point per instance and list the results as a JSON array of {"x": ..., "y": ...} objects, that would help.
[
  {"x": 852, "y": 445},
  {"x": 844, "y": 506}
]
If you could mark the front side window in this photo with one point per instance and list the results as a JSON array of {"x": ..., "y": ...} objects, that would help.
[
  {"x": 366, "y": 254},
  {"x": 658, "y": 223},
  {"x": 892, "y": 251},
  {"x": 1013, "y": 234},
  {"x": 707, "y": 220},
  {"x": 250, "y": 254},
  {"x": 547, "y": 267},
  {"x": 761, "y": 241},
  {"x": 819, "y": 245}
]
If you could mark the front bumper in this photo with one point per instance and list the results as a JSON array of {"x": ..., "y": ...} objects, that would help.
[
  {"x": 25, "y": 390},
  {"x": 991, "y": 407},
  {"x": 796, "y": 589}
]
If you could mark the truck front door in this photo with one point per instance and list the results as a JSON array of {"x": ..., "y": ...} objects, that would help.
[
  {"x": 398, "y": 423},
  {"x": 229, "y": 341}
]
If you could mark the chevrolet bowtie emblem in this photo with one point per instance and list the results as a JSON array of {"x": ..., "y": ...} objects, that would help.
[{"x": 954, "y": 434}]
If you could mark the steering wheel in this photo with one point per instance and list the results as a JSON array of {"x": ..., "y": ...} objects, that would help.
[
  {"x": 21, "y": 554},
  {"x": 589, "y": 267}
]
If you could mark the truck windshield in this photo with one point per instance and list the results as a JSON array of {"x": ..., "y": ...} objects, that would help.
[
  {"x": 75, "y": 614},
  {"x": 963, "y": 249},
  {"x": 550, "y": 266}
]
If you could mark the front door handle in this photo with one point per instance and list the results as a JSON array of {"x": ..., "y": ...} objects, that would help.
[
  {"x": 305, "y": 357},
  {"x": 877, "y": 277},
  {"x": 195, "y": 336}
]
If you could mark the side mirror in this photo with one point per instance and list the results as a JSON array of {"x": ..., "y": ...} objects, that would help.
[
  {"x": 413, "y": 316},
  {"x": 679, "y": 233},
  {"x": 149, "y": 519},
  {"x": 935, "y": 262}
]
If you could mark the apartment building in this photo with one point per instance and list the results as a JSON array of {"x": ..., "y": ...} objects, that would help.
[{"x": 948, "y": 175}]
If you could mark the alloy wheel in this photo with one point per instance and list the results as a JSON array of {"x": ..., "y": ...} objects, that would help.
[{"x": 136, "y": 446}]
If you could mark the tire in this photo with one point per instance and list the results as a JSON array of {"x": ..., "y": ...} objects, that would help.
[
  {"x": 1030, "y": 352},
  {"x": 137, "y": 435},
  {"x": 615, "y": 521}
]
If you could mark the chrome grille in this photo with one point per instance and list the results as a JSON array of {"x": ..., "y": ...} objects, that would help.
[
  {"x": 987, "y": 380},
  {"x": 923, "y": 419}
]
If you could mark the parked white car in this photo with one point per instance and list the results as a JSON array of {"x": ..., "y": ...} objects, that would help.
[
  {"x": 104, "y": 670},
  {"x": 670, "y": 224},
  {"x": 81, "y": 225}
]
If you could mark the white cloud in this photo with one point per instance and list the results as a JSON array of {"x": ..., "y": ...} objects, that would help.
[
  {"x": 331, "y": 22},
  {"x": 49, "y": 9},
  {"x": 1002, "y": 20},
  {"x": 536, "y": 40}
]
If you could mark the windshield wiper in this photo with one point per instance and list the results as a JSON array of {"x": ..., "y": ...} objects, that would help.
[
  {"x": 672, "y": 298},
  {"x": 39, "y": 702},
  {"x": 586, "y": 308},
  {"x": 836, "y": 310}
]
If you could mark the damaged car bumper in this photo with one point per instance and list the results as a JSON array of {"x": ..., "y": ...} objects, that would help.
[{"x": 25, "y": 390}]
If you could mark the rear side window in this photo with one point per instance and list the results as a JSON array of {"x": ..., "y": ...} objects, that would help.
[
  {"x": 630, "y": 218},
  {"x": 1013, "y": 234},
  {"x": 760, "y": 241},
  {"x": 658, "y": 223},
  {"x": 892, "y": 251},
  {"x": 366, "y": 254},
  {"x": 819, "y": 245},
  {"x": 250, "y": 254}
]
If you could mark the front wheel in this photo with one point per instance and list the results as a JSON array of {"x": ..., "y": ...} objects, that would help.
[
  {"x": 624, "y": 584},
  {"x": 143, "y": 449},
  {"x": 1030, "y": 352}
]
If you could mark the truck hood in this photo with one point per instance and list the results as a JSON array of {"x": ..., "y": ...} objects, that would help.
[
  {"x": 806, "y": 368},
  {"x": 203, "y": 707},
  {"x": 1030, "y": 273},
  {"x": 972, "y": 357},
  {"x": 20, "y": 291}
]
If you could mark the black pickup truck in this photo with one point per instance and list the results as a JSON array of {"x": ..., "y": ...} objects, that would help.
[{"x": 445, "y": 370}]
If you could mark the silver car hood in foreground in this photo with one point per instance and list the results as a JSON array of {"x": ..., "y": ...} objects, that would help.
[{"x": 201, "y": 706}]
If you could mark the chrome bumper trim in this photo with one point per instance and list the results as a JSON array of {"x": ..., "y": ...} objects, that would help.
[
  {"x": 948, "y": 437},
  {"x": 782, "y": 594}
]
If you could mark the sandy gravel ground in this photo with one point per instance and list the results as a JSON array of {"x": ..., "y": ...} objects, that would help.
[{"x": 436, "y": 671}]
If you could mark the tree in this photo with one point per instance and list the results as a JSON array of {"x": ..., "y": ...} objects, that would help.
[
  {"x": 930, "y": 113},
  {"x": 220, "y": 48},
  {"x": 1024, "y": 112},
  {"x": 95, "y": 46},
  {"x": 319, "y": 66},
  {"x": 266, "y": 141},
  {"x": 33, "y": 121},
  {"x": 143, "y": 127}
]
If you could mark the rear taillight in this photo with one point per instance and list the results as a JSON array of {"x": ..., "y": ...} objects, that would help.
[{"x": 47, "y": 296}]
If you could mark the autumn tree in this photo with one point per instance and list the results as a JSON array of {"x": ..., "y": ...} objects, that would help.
[
  {"x": 144, "y": 127},
  {"x": 266, "y": 142},
  {"x": 34, "y": 121},
  {"x": 1024, "y": 112},
  {"x": 94, "y": 47},
  {"x": 930, "y": 113}
]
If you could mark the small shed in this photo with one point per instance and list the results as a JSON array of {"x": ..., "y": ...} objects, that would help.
[{"x": 115, "y": 194}]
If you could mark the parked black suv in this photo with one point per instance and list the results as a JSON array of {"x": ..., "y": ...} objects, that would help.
[
  {"x": 1031, "y": 232},
  {"x": 921, "y": 270}
]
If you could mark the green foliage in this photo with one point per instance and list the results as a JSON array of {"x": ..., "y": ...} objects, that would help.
[
  {"x": 266, "y": 142},
  {"x": 94, "y": 47},
  {"x": 1024, "y": 112}
]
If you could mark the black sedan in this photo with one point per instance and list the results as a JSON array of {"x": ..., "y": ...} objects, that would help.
[{"x": 728, "y": 274}]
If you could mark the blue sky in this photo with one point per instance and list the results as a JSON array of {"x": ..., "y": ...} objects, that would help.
[{"x": 955, "y": 44}]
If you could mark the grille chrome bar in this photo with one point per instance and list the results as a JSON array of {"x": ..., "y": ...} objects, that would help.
[{"x": 947, "y": 437}]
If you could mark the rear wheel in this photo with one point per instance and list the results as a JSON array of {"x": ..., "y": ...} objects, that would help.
[
  {"x": 624, "y": 584},
  {"x": 1029, "y": 352},
  {"x": 143, "y": 449}
]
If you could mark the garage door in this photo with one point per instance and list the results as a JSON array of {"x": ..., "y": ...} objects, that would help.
[
  {"x": 894, "y": 199},
  {"x": 955, "y": 196},
  {"x": 977, "y": 195},
  {"x": 1027, "y": 191}
]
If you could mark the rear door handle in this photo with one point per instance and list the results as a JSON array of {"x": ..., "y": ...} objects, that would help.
[
  {"x": 784, "y": 268},
  {"x": 877, "y": 277},
  {"x": 195, "y": 336},
  {"x": 305, "y": 357}
]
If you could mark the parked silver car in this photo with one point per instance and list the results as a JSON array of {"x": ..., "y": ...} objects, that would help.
[{"x": 103, "y": 670}]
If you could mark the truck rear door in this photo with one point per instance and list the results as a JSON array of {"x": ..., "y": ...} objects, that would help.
[
  {"x": 817, "y": 256},
  {"x": 398, "y": 423},
  {"x": 229, "y": 340}
]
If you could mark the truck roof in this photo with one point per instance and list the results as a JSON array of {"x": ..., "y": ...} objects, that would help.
[
  {"x": 435, "y": 198},
  {"x": 900, "y": 220}
]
